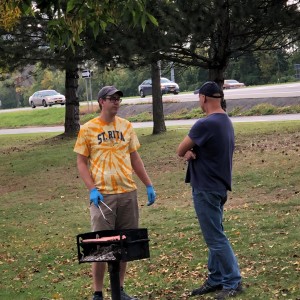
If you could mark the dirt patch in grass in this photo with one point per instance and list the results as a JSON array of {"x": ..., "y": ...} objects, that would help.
[
  {"x": 260, "y": 161},
  {"x": 265, "y": 171}
]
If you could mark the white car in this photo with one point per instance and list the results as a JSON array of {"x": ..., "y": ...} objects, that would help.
[{"x": 45, "y": 98}]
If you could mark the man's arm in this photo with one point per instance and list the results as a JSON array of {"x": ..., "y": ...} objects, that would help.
[
  {"x": 139, "y": 169},
  {"x": 185, "y": 148},
  {"x": 82, "y": 166}
]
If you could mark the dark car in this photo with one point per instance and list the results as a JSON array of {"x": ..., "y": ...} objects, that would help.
[{"x": 167, "y": 87}]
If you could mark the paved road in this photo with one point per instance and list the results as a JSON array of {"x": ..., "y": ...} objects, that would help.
[
  {"x": 176, "y": 123},
  {"x": 265, "y": 91}
]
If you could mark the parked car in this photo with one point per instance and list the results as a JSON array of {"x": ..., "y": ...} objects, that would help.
[
  {"x": 167, "y": 87},
  {"x": 45, "y": 98},
  {"x": 232, "y": 84}
]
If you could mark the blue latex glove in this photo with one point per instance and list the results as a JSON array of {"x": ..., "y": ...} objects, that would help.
[
  {"x": 151, "y": 195},
  {"x": 95, "y": 197}
]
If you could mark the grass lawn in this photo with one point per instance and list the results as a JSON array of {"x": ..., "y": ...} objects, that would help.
[
  {"x": 44, "y": 205},
  {"x": 55, "y": 116}
]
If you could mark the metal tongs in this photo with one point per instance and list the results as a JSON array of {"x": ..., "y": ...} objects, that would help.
[{"x": 103, "y": 213}]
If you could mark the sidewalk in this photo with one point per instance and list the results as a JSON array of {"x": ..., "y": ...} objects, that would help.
[{"x": 178, "y": 123}]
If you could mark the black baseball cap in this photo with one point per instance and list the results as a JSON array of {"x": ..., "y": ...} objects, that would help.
[
  {"x": 210, "y": 89},
  {"x": 108, "y": 91}
]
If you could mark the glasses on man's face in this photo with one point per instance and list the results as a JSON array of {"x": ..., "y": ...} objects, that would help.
[{"x": 114, "y": 99}]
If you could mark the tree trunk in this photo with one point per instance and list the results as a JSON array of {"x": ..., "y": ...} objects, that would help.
[
  {"x": 157, "y": 104},
  {"x": 217, "y": 75},
  {"x": 72, "y": 124}
]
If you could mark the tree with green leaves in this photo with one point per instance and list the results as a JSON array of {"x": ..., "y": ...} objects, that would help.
[
  {"x": 206, "y": 34},
  {"x": 59, "y": 33},
  {"x": 10, "y": 13},
  {"x": 209, "y": 34},
  {"x": 139, "y": 47}
]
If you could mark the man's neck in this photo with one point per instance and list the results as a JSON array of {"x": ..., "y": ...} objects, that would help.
[
  {"x": 215, "y": 111},
  {"x": 107, "y": 118}
]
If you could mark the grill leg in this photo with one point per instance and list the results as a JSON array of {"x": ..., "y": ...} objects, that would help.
[{"x": 114, "y": 275}]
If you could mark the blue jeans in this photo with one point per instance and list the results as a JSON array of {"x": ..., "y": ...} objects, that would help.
[{"x": 222, "y": 263}]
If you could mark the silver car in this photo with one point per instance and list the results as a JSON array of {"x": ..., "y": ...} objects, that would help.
[
  {"x": 232, "y": 84},
  {"x": 45, "y": 98}
]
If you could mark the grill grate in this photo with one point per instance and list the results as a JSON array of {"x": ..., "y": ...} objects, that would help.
[{"x": 113, "y": 245}]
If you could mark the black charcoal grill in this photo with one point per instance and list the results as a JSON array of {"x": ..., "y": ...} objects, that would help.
[{"x": 113, "y": 246}]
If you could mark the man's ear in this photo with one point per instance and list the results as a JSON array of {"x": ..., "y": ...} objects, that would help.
[{"x": 100, "y": 101}]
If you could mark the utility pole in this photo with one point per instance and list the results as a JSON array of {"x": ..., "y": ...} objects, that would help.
[
  {"x": 159, "y": 67},
  {"x": 172, "y": 71},
  {"x": 87, "y": 74}
]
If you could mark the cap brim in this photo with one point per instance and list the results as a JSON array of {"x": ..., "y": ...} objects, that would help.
[{"x": 212, "y": 96}]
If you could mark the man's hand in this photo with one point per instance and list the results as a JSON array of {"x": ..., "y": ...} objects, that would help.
[
  {"x": 151, "y": 195},
  {"x": 189, "y": 155},
  {"x": 95, "y": 197}
]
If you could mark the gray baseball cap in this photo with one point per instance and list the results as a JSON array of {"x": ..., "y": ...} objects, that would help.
[{"x": 108, "y": 91}]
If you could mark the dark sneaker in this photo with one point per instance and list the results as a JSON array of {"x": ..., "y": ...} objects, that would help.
[
  {"x": 97, "y": 297},
  {"x": 229, "y": 293},
  {"x": 124, "y": 296},
  {"x": 206, "y": 288}
]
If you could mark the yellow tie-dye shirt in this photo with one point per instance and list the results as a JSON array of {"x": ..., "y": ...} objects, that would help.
[{"x": 108, "y": 147}]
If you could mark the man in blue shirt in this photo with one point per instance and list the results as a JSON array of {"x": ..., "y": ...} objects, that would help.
[{"x": 208, "y": 148}]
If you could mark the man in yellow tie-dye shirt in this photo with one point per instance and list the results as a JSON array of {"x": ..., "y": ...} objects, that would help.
[{"x": 107, "y": 155}]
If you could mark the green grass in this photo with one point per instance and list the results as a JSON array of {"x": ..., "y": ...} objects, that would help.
[
  {"x": 44, "y": 205},
  {"x": 269, "y": 109},
  {"x": 56, "y": 115},
  {"x": 40, "y": 117},
  {"x": 183, "y": 114}
]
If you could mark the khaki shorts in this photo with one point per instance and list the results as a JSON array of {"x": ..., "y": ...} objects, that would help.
[{"x": 125, "y": 216}]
